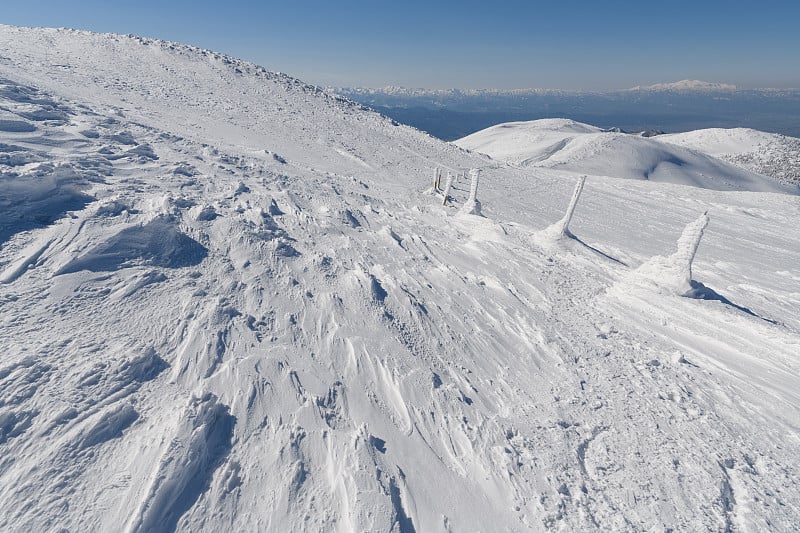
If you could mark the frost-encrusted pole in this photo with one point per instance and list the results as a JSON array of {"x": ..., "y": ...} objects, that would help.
[
  {"x": 474, "y": 173},
  {"x": 675, "y": 272},
  {"x": 472, "y": 206},
  {"x": 681, "y": 260},
  {"x": 564, "y": 222},
  {"x": 447, "y": 185},
  {"x": 437, "y": 178}
]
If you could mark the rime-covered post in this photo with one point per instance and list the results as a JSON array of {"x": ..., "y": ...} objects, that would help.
[
  {"x": 564, "y": 223},
  {"x": 437, "y": 178},
  {"x": 473, "y": 186},
  {"x": 472, "y": 206},
  {"x": 675, "y": 272},
  {"x": 447, "y": 185},
  {"x": 681, "y": 260}
]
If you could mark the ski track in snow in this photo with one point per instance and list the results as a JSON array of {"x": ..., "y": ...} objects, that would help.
[{"x": 227, "y": 301}]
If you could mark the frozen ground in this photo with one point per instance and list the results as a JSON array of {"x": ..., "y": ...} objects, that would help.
[{"x": 230, "y": 302}]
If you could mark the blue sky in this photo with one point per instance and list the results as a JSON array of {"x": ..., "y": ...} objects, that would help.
[{"x": 603, "y": 44}]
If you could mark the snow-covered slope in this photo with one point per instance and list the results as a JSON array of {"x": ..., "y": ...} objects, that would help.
[
  {"x": 526, "y": 143},
  {"x": 564, "y": 144},
  {"x": 228, "y": 302},
  {"x": 770, "y": 154}
]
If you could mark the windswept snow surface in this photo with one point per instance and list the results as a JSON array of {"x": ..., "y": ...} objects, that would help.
[
  {"x": 229, "y": 302},
  {"x": 564, "y": 144},
  {"x": 770, "y": 154}
]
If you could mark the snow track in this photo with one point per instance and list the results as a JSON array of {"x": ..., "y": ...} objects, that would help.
[{"x": 244, "y": 312}]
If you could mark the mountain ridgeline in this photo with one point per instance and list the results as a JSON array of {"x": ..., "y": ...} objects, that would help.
[{"x": 670, "y": 108}]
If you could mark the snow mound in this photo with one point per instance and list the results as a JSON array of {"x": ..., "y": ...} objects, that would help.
[
  {"x": 769, "y": 154},
  {"x": 721, "y": 141},
  {"x": 157, "y": 243},
  {"x": 576, "y": 147},
  {"x": 525, "y": 143},
  {"x": 36, "y": 194}
]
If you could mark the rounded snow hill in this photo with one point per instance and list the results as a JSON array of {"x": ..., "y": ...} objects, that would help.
[
  {"x": 525, "y": 143},
  {"x": 576, "y": 147},
  {"x": 722, "y": 141},
  {"x": 770, "y": 154}
]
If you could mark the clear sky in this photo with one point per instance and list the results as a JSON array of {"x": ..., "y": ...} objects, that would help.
[{"x": 568, "y": 44}]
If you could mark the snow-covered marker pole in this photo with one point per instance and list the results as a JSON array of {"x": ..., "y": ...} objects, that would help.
[
  {"x": 675, "y": 272},
  {"x": 473, "y": 186},
  {"x": 447, "y": 184},
  {"x": 437, "y": 178},
  {"x": 564, "y": 223},
  {"x": 681, "y": 261},
  {"x": 472, "y": 206}
]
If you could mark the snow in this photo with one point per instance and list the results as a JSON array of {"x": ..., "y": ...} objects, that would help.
[
  {"x": 674, "y": 273},
  {"x": 230, "y": 302},
  {"x": 560, "y": 230},
  {"x": 526, "y": 143},
  {"x": 770, "y": 154},
  {"x": 687, "y": 85},
  {"x": 580, "y": 148}
]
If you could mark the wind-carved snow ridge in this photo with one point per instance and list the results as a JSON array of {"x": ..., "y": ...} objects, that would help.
[
  {"x": 674, "y": 273},
  {"x": 158, "y": 243},
  {"x": 202, "y": 439}
]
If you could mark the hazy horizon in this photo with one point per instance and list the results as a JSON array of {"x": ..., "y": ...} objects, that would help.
[
  {"x": 581, "y": 46},
  {"x": 574, "y": 90}
]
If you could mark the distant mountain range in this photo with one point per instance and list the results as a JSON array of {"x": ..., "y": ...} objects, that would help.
[
  {"x": 698, "y": 86},
  {"x": 670, "y": 107}
]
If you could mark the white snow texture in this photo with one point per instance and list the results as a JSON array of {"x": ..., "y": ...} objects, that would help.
[{"x": 229, "y": 302}]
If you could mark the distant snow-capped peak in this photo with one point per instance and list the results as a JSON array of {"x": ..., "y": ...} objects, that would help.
[{"x": 686, "y": 85}]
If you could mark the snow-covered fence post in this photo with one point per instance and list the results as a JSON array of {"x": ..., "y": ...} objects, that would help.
[
  {"x": 675, "y": 272},
  {"x": 473, "y": 186},
  {"x": 681, "y": 260},
  {"x": 447, "y": 185},
  {"x": 472, "y": 206},
  {"x": 564, "y": 223},
  {"x": 437, "y": 178}
]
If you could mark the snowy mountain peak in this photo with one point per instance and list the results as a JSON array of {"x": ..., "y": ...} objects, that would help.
[{"x": 687, "y": 86}]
